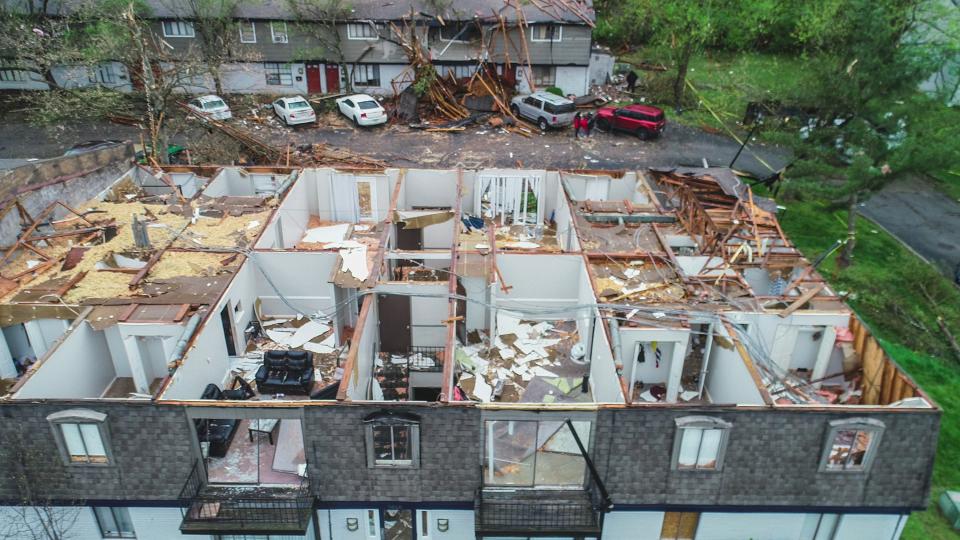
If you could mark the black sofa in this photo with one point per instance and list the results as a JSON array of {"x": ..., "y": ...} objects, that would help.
[
  {"x": 218, "y": 432},
  {"x": 286, "y": 372}
]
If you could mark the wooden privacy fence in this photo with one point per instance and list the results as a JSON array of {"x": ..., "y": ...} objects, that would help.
[{"x": 883, "y": 381}]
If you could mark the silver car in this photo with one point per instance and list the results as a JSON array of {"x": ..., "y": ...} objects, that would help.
[{"x": 546, "y": 109}]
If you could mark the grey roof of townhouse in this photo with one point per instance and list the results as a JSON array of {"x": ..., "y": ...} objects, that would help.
[{"x": 360, "y": 9}]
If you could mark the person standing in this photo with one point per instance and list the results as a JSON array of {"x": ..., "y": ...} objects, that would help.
[
  {"x": 576, "y": 126},
  {"x": 588, "y": 123},
  {"x": 632, "y": 81}
]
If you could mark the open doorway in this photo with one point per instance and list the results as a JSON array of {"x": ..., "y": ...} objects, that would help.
[
  {"x": 259, "y": 451},
  {"x": 228, "y": 336}
]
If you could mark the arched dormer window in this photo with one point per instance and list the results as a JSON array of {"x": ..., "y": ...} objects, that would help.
[
  {"x": 393, "y": 440},
  {"x": 82, "y": 436},
  {"x": 700, "y": 443}
]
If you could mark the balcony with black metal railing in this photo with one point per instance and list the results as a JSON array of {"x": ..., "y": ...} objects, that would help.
[{"x": 218, "y": 509}]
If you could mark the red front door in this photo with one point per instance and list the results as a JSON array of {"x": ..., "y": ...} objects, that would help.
[
  {"x": 333, "y": 78},
  {"x": 313, "y": 79}
]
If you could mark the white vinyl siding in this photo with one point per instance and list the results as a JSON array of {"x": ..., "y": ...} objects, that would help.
[{"x": 177, "y": 29}]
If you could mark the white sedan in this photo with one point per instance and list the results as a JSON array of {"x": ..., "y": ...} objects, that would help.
[
  {"x": 362, "y": 109},
  {"x": 294, "y": 110},
  {"x": 212, "y": 106}
]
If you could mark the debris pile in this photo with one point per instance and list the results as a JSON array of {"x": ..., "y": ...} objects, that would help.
[{"x": 527, "y": 362}]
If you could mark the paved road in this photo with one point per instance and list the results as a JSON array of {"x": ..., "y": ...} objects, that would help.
[
  {"x": 922, "y": 217},
  {"x": 477, "y": 146}
]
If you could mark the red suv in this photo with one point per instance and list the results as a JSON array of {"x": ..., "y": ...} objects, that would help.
[{"x": 644, "y": 120}]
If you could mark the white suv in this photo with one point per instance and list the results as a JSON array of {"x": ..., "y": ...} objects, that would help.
[{"x": 546, "y": 109}]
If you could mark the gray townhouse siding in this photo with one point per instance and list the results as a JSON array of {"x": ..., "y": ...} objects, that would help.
[
  {"x": 772, "y": 457},
  {"x": 573, "y": 48},
  {"x": 152, "y": 453}
]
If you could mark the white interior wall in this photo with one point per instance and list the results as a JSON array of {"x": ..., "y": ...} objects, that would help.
[
  {"x": 302, "y": 278},
  {"x": 206, "y": 361},
  {"x": 167, "y": 334},
  {"x": 779, "y": 335},
  {"x": 439, "y": 235},
  {"x": 359, "y": 385},
  {"x": 76, "y": 367},
  {"x": 566, "y": 235},
  {"x": 603, "y": 370},
  {"x": 17, "y": 341},
  {"x": 540, "y": 281},
  {"x": 426, "y": 313},
  {"x": 672, "y": 344},
  {"x": 429, "y": 187},
  {"x": 293, "y": 215},
  {"x": 728, "y": 380},
  {"x": 478, "y": 294}
]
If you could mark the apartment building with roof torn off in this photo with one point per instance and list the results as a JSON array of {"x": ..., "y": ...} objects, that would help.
[{"x": 438, "y": 354}]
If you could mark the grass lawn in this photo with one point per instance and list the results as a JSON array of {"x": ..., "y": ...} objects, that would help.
[
  {"x": 726, "y": 82},
  {"x": 885, "y": 283}
]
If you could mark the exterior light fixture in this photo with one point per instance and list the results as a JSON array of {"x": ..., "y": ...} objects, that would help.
[
  {"x": 443, "y": 525},
  {"x": 353, "y": 524}
]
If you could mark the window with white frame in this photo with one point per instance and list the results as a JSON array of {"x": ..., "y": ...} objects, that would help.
[
  {"x": 366, "y": 31},
  {"x": 81, "y": 436},
  {"x": 114, "y": 522},
  {"x": 278, "y": 32},
  {"x": 461, "y": 32},
  {"x": 393, "y": 440},
  {"x": 366, "y": 74},
  {"x": 851, "y": 444},
  {"x": 248, "y": 32},
  {"x": 102, "y": 74},
  {"x": 460, "y": 71},
  {"x": 700, "y": 443},
  {"x": 12, "y": 75},
  {"x": 546, "y": 32},
  {"x": 544, "y": 76},
  {"x": 177, "y": 29},
  {"x": 278, "y": 74}
]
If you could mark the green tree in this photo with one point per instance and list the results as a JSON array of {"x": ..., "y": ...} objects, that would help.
[{"x": 874, "y": 124}]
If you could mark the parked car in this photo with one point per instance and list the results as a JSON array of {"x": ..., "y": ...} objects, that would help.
[
  {"x": 294, "y": 110},
  {"x": 212, "y": 106},
  {"x": 546, "y": 109},
  {"x": 90, "y": 146},
  {"x": 362, "y": 109},
  {"x": 645, "y": 121}
]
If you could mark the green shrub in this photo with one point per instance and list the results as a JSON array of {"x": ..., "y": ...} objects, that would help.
[{"x": 555, "y": 91}]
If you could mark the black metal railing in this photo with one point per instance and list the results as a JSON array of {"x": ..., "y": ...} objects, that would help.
[
  {"x": 256, "y": 509},
  {"x": 559, "y": 512}
]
